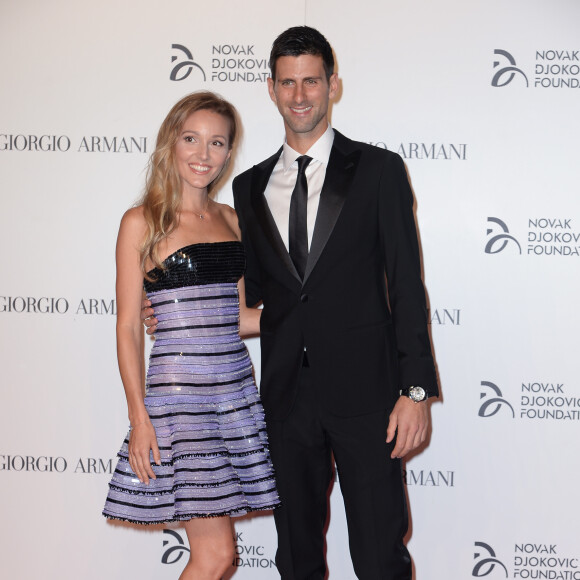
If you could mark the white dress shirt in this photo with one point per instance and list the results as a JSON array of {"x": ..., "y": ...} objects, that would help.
[{"x": 283, "y": 179}]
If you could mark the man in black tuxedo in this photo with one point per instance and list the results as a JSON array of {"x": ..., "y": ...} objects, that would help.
[{"x": 346, "y": 356}]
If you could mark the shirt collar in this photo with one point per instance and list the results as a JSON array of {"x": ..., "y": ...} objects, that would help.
[{"x": 320, "y": 151}]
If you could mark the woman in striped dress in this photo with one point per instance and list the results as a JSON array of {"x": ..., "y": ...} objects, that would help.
[{"x": 197, "y": 449}]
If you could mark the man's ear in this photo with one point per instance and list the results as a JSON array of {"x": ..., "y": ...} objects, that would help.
[{"x": 333, "y": 85}]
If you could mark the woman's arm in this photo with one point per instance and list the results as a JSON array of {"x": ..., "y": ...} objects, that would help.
[
  {"x": 130, "y": 343},
  {"x": 249, "y": 317}
]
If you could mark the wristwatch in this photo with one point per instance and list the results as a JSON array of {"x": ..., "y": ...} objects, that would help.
[{"x": 416, "y": 394}]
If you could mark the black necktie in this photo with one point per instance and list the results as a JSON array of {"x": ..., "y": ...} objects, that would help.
[{"x": 298, "y": 239}]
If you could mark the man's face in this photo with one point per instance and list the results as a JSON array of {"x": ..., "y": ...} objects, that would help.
[{"x": 302, "y": 93}]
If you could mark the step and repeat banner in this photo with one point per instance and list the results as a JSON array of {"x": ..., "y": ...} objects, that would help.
[{"x": 480, "y": 98}]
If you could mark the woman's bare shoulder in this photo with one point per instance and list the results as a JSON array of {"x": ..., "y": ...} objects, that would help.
[
  {"x": 134, "y": 216},
  {"x": 230, "y": 216},
  {"x": 134, "y": 220},
  {"x": 133, "y": 226}
]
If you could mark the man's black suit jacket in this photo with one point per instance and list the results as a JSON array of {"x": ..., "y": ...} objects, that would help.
[{"x": 366, "y": 336}]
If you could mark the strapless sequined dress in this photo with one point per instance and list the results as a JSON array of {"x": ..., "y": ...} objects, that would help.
[{"x": 201, "y": 398}]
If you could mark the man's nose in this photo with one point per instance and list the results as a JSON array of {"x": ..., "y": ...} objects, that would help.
[{"x": 299, "y": 93}]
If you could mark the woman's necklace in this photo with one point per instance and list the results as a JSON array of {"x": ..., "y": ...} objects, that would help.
[{"x": 202, "y": 215}]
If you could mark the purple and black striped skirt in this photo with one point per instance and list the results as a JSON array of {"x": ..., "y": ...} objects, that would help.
[{"x": 204, "y": 404}]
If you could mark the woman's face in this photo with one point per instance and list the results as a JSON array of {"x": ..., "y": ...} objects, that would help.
[{"x": 202, "y": 149}]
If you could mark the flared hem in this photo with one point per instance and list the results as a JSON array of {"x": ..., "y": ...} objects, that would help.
[{"x": 186, "y": 517}]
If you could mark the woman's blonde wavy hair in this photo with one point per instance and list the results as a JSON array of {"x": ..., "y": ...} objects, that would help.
[{"x": 162, "y": 196}]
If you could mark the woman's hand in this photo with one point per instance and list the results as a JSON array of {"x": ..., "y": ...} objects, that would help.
[
  {"x": 142, "y": 439},
  {"x": 148, "y": 317}
]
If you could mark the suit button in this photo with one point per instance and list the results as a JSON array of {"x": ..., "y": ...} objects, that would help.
[{"x": 304, "y": 298}]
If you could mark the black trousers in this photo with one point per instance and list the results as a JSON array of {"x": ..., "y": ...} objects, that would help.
[{"x": 371, "y": 483}]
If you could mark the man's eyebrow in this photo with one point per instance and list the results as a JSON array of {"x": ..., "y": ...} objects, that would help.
[{"x": 309, "y": 78}]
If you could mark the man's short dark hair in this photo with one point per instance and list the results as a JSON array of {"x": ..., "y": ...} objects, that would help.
[{"x": 300, "y": 40}]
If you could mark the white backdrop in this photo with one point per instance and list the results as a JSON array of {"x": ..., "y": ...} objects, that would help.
[{"x": 482, "y": 100}]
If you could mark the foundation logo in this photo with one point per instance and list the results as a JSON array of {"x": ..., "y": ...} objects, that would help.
[
  {"x": 183, "y": 68},
  {"x": 493, "y": 401},
  {"x": 487, "y": 562},
  {"x": 173, "y": 552},
  {"x": 551, "y": 69},
  {"x": 250, "y": 555},
  {"x": 506, "y": 74},
  {"x": 231, "y": 63},
  {"x": 545, "y": 236},
  {"x": 247, "y": 555},
  {"x": 545, "y": 401},
  {"x": 499, "y": 241},
  {"x": 528, "y": 560}
]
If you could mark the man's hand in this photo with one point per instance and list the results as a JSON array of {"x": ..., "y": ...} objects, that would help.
[
  {"x": 147, "y": 316},
  {"x": 410, "y": 421}
]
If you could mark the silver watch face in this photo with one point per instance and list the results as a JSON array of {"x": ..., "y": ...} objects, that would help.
[{"x": 417, "y": 394}]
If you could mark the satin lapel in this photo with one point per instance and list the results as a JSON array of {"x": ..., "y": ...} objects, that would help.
[
  {"x": 260, "y": 177},
  {"x": 339, "y": 174}
]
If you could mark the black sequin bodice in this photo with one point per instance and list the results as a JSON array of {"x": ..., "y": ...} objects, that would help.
[{"x": 197, "y": 264}]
